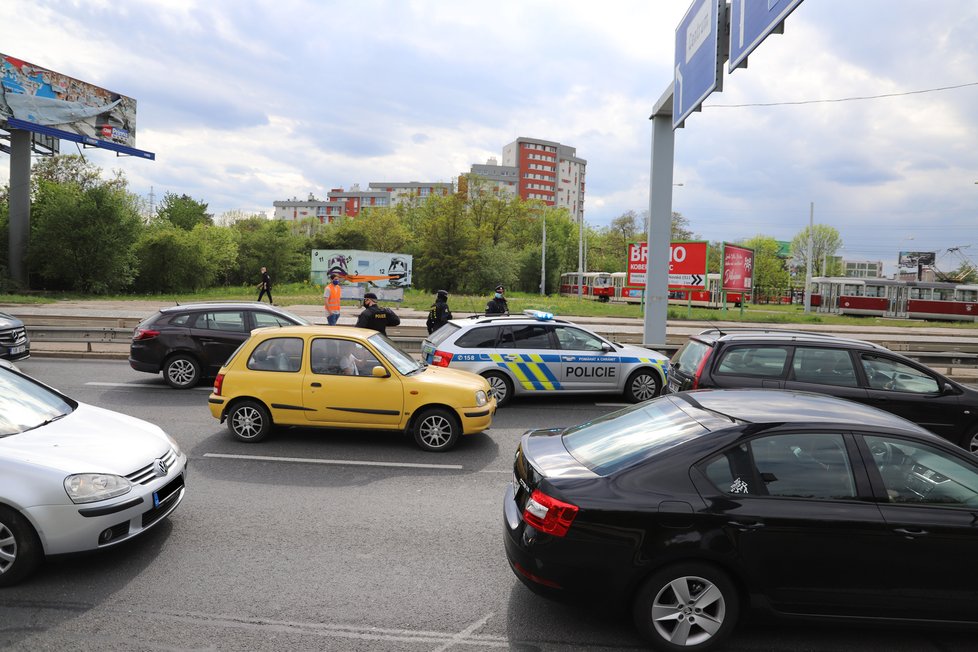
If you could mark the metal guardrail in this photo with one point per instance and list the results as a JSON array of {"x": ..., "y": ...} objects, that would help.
[{"x": 941, "y": 355}]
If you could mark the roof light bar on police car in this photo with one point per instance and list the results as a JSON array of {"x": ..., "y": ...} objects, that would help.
[{"x": 539, "y": 314}]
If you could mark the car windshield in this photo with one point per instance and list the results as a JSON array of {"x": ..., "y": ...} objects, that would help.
[
  {"x": 403, "y": 362},
  {"x": 620, "y": 439},
  {"x": 25, "y": 404}
]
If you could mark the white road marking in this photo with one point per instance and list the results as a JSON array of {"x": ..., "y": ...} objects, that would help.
[
  {"x": 306, "y": 460},
  {"x": 463, "y": 636},
  {"x": 141, "y": 385}
]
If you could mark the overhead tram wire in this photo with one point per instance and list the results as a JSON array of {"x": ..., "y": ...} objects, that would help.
[{"x": 843, "y": 99}]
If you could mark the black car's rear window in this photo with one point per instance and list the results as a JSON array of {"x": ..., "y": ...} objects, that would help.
[
  {"x": 620, "y": 439},
  {"x": 688, "y": 358}
]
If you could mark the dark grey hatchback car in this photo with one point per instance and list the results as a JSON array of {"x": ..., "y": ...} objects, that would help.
[
  {"x": 848, "y": 368},
  {"x": 192, "y": 341}
]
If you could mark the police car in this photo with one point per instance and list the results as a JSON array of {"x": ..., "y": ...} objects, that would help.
[{"x": 535, "y": 353}]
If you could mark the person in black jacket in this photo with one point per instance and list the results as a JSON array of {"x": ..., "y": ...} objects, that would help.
[
  {"x": 440, "y": 313},
  {"x": 265, "y": 287},
  {"x": 497, "y": 305},
  {"x": 375, "y": 317}
]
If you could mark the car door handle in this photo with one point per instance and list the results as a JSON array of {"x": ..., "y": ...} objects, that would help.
[
  {"x": 910, "y": 532},
  {"x": 315, "y": 384},
  {"x": 746, "y": 527}
]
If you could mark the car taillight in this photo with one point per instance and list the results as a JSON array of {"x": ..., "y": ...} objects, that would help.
[
  {"x": 699, "y": 370},
  {"x": 441, "y": 359},
  {"x": 548, "y": 514},
  {"x": 218, "y": 384},
  {"x": 144, "y": 334}
]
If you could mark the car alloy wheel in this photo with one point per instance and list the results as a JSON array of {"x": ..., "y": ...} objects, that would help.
[
  {"x": 686, "y": 607},
  {"x": 182, "y": 372},
  {"x": 500, "y": 386},
  {"x": 249, "y": 421},
  {"x": 436, "y": 430},
  {"x": 642, "y": 385},
  {"x": 20, "y": 551}
]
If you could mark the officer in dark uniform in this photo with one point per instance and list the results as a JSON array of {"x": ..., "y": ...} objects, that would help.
[
  {"x": 440, "y": 313},
  {"x": 497, "y": 305},
  {"x": 375, "y": 317}
]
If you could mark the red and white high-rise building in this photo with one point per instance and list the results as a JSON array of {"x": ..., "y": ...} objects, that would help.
[{"x": 548, "y": 171}]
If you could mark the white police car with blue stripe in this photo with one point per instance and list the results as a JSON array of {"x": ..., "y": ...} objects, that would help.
[{"x": 537, "y": 353}]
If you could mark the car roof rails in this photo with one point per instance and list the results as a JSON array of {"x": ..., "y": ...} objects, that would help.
[{"x": 736, "y": 330}]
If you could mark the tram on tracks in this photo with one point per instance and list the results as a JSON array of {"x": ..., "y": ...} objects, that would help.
[
  {"x": 893, "y": 298},
  {"x": 711, "y": 297},
  {"x": 596, "y": 285}
]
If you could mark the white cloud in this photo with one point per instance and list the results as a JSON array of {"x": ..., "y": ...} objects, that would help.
[{"x": 248, "y": 102}]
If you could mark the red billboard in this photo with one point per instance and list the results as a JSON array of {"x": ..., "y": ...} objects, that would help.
[
  {"x": 738, "y": 268},
  {"x": 687, "y": 264}
]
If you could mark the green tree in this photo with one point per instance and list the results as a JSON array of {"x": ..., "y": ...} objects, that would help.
[
  {"x": 825, "y": 241},
  {"x": 269, "y": 243},
  {"x": 72, "y": 169},
  {"x": 183, "y": 211},
  {"x": 172, "y": 260},
  {"x": 445, "y": 243},
  {"x": 771, "y": 276},
  {"x": 220, "y": 251},
  {"x": 82, "y": 239}
]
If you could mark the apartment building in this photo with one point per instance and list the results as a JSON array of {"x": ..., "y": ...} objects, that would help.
[
  {"x": 493, "y": 179},
  {"x": 548, "y": 171},
  {"x": 406, "y": 192}
]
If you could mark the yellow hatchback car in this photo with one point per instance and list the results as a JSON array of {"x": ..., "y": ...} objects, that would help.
[{"x": 341, "y": 377}]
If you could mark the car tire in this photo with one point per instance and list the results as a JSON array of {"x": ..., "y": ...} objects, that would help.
[
  {"x": 501, "y": 385},
  {"x": 20, "y": 549},
  {"x": 249, "y": 421},
  {"x": 181, "y": 371},
  {"x": 436, "y": 430},
  {"x": 690, "y": 606},
  {"x": 970, "y": 441},
  {"x": 642, "y": 385}
]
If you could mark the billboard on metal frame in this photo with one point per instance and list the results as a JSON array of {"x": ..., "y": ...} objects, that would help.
[{"x": 43, "y": 97}]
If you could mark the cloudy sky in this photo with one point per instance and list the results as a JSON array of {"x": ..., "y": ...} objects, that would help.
[{"x": 246, "y": 102}]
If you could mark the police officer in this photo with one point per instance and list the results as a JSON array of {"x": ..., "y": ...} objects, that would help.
[
  {"x": 497, "y": 305},
  {"x": 440, "y": 313},
  {"x": 375, "y": 317}
]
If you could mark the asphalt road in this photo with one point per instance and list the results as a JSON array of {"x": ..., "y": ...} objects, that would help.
[{"x": 343, "y": 541}]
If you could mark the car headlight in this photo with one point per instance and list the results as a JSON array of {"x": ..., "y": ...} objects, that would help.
[
  {"x": 90, "y": 487},
  {"x": 481, "y": 398}
]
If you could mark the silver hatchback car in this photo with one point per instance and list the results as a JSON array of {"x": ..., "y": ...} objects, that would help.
[
  {"x": 535, "y": 353},
  {"x": 75, "y": 477}
]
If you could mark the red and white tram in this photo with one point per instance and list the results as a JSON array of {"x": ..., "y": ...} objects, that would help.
[
  {"x": 597, "y": 285},
  {"x": 897, "y": 299}
]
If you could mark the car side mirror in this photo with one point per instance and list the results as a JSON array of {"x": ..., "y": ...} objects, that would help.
[
  {"x": 379, "y": 372},
  {"x": 948, "y": 388},
  {"x": 607, "y": 348}
]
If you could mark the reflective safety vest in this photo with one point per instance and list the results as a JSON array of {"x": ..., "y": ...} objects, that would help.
[{"x": 332, "y": 296}]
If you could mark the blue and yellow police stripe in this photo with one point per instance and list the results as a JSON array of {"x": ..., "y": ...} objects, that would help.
[{"x": 531, "y": 370}]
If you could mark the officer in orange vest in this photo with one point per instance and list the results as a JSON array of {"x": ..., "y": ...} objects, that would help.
[{"x": 331, "y": 300}]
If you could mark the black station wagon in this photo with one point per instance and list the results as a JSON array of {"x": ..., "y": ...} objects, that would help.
[
  {"x": 192, "y": 341},
  {"x": 848, "y": 368}
]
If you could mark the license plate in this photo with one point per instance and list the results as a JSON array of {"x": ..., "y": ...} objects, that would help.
[
  {"x": 167, "y": 491},
  {"x": 14, "y": 350},
  {"x": 673, "y": 386}
]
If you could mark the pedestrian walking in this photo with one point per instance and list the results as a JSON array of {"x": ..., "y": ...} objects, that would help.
[
  {"x": 265, "y": 286},
  {"x": 497, "y": 305},
  {"x": 331, "y": 299},
  {"x": 375, "y": 317},
  {"x": 440, "y": 313}
]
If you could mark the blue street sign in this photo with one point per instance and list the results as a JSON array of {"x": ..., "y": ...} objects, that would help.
[
  {"x": 699, "y": 70},
  {"x": 750, "y": 23}
]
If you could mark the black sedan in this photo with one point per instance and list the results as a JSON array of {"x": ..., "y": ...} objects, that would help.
[{"x": 692, "y": 507}]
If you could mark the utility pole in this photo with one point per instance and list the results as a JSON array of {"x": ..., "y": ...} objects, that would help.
[
  {"x": 543, "y": 256},
  {"x": 808, "y": 262}
]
